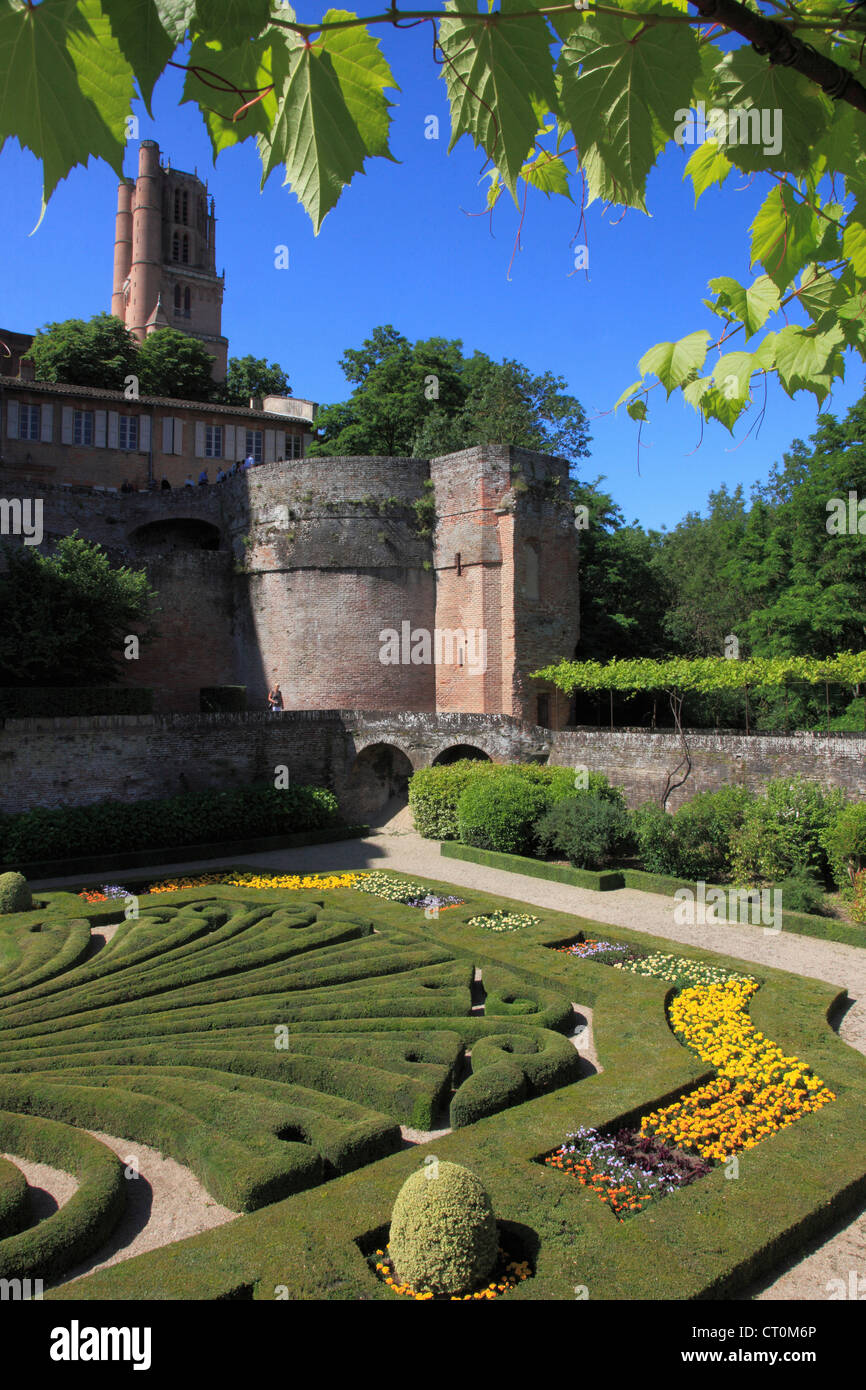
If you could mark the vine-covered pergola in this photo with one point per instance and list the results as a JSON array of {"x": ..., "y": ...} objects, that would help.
[{"x": 679, "y": 676}]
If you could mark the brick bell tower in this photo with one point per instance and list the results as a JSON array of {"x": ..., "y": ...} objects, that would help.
[{"x": 165, "y": 256}]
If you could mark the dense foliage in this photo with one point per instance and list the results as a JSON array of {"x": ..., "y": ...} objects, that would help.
[
  {"x": 586, "y": 830},
  {"x": 192, "y": 818},
  {"x": 425, "y": 398},
  {"x": 67, "y": 614}
]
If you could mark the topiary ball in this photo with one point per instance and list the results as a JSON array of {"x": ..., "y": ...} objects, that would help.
[
  {"x": 443, "y": 1232},
  {"x": 15, "y": 895}
]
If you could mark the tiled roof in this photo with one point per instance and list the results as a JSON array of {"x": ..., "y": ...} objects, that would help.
[{"x": 98, "y": 393}]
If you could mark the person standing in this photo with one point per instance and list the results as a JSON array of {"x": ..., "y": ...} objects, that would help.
[{"x": 275, "y": 699}]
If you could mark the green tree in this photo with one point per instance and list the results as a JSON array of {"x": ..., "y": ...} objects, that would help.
[
  {"x": 252, "y": 376},
  {"x": 97, "y": 352},
  {"x": 171, "y": 363},
  {"x": 66, "y": 614},
  {"x": 425, "y": 398},
  {"x": 622, "y": 592},
  {"x": 700, "y": 569}
]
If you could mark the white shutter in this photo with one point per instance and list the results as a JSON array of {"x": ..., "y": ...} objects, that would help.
[
  {"x": 178, "y": 436},
  {"x": 144, "y": 434},
  {"x": 112, "y": 429},
  {"x": 167, "y": 434},
  {"x": 229, "y": 450},
  {"x": 270, "y": 440},
  {"x": 47, "y": 431},
  {"x": 281, "y": 444},
  {"x": 199, "y": 439},
  {"x": 66, "y": 425},
  {"x": 99, "y": 423},
  {"x": 12, "y": 420}
]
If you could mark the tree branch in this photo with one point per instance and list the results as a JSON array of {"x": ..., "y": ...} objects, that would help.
[{"x": 769, "y": 37}]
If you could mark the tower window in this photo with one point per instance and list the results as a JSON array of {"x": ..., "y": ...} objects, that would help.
[
  {"x": 185, "y": 216},
  {"x": 186, "y": 303},
  {"x": 185, "y": 251},
  {"x": 175, "y": 247},
  {"x": 176, "y": 205},
  {"x": 177, "y": 299}
]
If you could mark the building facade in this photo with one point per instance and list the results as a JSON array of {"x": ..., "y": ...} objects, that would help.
[{"x": 94, "y": 438}]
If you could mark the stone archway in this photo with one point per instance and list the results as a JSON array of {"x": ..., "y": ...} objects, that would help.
[
  {"x": 378, "y": 783},
  {"x": 458, "y": 752}
]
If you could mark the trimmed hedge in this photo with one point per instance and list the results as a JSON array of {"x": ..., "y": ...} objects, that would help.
[
  {"x": 111, "y": 827},
  {"x": 709, "y": 1240},
  {"x": 73, "y": 701},
  {"x": 14, "y": 1199},
  {"x": 435, "y": 791},
  {"x": 84, "y": 1222},
  {"x": 602, "y": 882}
]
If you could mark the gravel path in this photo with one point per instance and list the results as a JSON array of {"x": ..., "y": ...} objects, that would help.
[{"x": 395, "y": 846}]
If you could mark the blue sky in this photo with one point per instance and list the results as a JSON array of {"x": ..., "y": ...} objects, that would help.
[{"x": 401, "y": 248}]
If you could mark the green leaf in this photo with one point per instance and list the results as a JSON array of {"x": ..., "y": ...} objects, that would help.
[
  {"x": 232, "y": 21},
  {"x": 499, "y": 77},
  {"x": 362, "y": 73},
  {"x": 774, "y": 114},
  {"x": 67, "y": 88},
  {"x": 637, "y": 410},
  {"x": 314, "y": 134},
  {"x": 547, "y": 173},
  {"x": 751, "y": 306},
  {"x": 732, "y": 375},
  {"x": 801, "y": 356},
  {"x": 146, "y": 45},
  {"x": 175, "y": 16},
  {"x": 716, "y": 404},
  {"x": 621, "y": 98},
  {"x": 854, "y": 241},
  {"x": 250, "y": 68},
  {"x": 785, "y": 236},
  {"x": 629, "y": 391},
  {"x": 676, "y": 363},
  {"x": 708, "y": 165},
  {"x": 694, "y": 391}
]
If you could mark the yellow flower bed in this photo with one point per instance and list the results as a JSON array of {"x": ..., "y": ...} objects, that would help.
[
  {"x": 759, "y": 1090},
  {"x": 293, "y": 881}
]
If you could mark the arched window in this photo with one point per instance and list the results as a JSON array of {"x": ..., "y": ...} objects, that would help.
[
  {"x": 175, "y": 247},
  {"x": 185, "y": 252},
  {"x": 185, "y": 218},
  {"x": 177, "y": 299},
  {"x": 176, "y": 205},
  {"x": 186, "y": 302}
]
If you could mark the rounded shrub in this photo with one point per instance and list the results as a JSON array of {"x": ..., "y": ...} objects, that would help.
[
  {"x": 653, "y": 831},
  {"x": 443, "y": 1232},
  {"x": 588, "y": 831},
  {"x": 500, "y": 814},
  {"x": 784, "y": 830},
  {"x": 801, "y": 892},
  {"x": 15, "y": 896},
  {"x": 845, "y": 844}
]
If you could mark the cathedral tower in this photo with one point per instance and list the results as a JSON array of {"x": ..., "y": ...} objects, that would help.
[{"x": 165, "y": 257}]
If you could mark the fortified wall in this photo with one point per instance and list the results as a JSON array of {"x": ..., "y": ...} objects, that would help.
[
  {"x": 367, "y": 757},
  {"x": 290, "y": 572}
]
